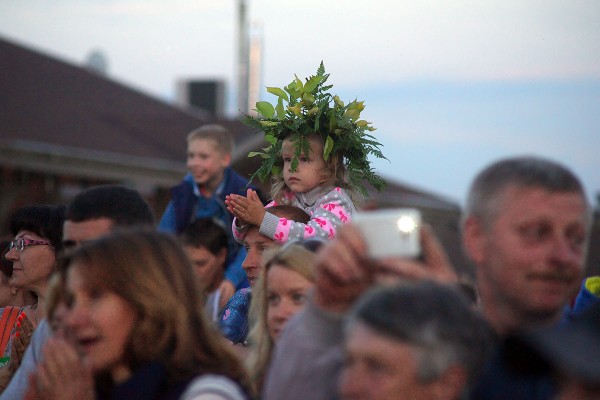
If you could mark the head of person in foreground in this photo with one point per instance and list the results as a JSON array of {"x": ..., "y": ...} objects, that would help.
[{"x": 412, "y": 341}]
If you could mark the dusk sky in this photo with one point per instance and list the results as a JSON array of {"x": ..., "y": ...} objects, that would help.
[{"x": 451, "y": 86}]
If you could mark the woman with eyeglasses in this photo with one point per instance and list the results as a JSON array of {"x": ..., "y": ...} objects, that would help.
[
  {"x": 10, "y": 295},
  {"x": 37, "y": 232}
]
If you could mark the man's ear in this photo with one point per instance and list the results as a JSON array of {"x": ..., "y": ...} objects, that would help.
[
  {"x": 451, "y": 384},
  {"x": 474, "y": 238}
]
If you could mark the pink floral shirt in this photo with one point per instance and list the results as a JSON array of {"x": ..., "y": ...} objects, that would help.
[{"x": 328, "y": 210}]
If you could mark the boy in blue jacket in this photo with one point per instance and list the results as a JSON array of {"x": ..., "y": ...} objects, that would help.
[{"x": 202, "y": 193}]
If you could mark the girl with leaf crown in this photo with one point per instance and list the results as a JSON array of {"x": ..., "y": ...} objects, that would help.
[{"x": 317, "y": 160}]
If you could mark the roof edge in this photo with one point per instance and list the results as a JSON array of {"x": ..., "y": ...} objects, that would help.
[{"x": 52, "y": 158}]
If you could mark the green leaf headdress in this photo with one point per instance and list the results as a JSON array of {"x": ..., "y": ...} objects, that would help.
[{"x": 306, "y": 108}]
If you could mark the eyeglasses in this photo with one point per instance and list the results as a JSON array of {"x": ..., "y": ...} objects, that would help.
[{"x": 20, "y": 244}]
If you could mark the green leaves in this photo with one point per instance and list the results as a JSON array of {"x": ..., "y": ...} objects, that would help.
[
  {"x": 308, "y": 99},
  {"x": 278, "y": 92},
  {"x": 297, "y": 109},
  {"x": 354, "y": 109},
  {"x": 312, "y": 83},
  {"x": 265, "y": 108},
  {"x": 327, "y": 148},
  {"x": 321, "y": 69},
  {"x": 306, "y": 108},
  {"x": 271, "y": 139},
  {"x": 279, "y": 109}
]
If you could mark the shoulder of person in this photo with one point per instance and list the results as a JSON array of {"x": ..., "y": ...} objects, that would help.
[
  {"x": 185, "y": 186},
  {"x": 241, "y": 296},
  {"x": 213, "y": 387}
]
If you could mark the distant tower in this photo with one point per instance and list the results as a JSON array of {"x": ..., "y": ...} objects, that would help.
[
  {"x": 242, "y": 61},
  {"x": 96, "y": 62},
  {"x": 255, "y": 66}
]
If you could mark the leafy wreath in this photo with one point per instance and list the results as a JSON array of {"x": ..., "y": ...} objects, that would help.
[{"x": 310, "y": 108}]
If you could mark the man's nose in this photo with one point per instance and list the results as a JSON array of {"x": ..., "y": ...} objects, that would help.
[{"x": 252, "y": 260}]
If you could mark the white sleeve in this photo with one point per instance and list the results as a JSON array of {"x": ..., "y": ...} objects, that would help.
[{"x": 213, "y": 387}]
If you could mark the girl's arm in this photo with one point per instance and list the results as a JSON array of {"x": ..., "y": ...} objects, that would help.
[
  {"x": 330, "y": 212},
  {"x": 247, "y": 210}
]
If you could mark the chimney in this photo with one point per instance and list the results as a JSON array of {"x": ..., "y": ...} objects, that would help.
[{"x": 208, "y": 95}]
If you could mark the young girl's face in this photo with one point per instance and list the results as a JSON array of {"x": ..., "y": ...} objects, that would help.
[{"x": 310, "y": 172}]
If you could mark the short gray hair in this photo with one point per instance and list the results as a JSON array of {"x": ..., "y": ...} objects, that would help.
[
  {"x": 436, "y": 320},
  {"x": 525, "y": 172}
]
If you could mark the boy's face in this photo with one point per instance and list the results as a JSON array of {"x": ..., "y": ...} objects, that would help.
[{"x": 206, "y": 162}]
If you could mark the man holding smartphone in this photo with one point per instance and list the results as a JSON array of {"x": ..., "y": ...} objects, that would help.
[
  {"x": 309, "y": 356},
  {"x": 525, "y": 228}
]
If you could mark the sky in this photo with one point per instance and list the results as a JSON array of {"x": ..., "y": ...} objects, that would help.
[{"x": 451, "y": 86}]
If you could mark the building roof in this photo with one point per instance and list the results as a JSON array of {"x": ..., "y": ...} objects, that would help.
[{"x": 62, "y": 118}]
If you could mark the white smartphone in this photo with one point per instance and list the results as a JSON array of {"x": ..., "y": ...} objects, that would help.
[{"x": 391, "y": 232}]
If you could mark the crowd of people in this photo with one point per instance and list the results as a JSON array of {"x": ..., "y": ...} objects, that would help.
[{"x": 233, "y": 297}]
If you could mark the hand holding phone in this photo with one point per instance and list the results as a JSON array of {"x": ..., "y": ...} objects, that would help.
[{"x": 391, "y": 232}]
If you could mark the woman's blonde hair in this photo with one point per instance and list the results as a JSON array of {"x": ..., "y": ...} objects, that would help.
[
  {"x": 333, "y": 175},
  {"x": 150, "y": 271},
  {"x": 295, "y": 258}
]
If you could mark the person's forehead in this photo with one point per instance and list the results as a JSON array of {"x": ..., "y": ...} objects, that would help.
[
  {"x": 531, "y": 200},
  {"x": 25, "y": 234},
  {"x": 202, "y": 144},
  {"x": 287, "y": 146},
  {"x": 363, "y": 338},
  {"x": 87, "y": 229},
  {"x": 286, "y": 278},
  {"x": 197, "y": 252},
  {"x": 254, "y": 237}
]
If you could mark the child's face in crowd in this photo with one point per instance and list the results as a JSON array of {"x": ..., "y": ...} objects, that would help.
[
  {"x": 207, "y": 266},
  {"x": 310, "y": 172},
  {"x": 100, "y": 323},
  {"x": 286, "y": 294},
  {"x": 206, "y": 162}
]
